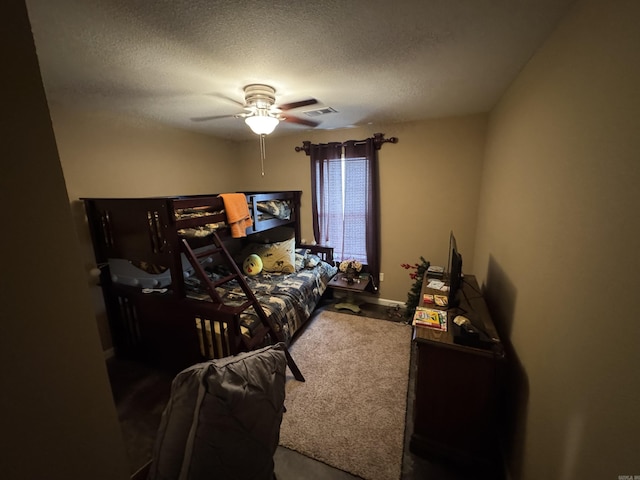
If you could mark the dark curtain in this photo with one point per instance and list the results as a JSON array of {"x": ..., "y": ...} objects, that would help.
[{"x": 320, "y": 154}]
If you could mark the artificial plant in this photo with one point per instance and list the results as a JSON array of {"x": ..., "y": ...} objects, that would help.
[{"x": 413, "y": 297}]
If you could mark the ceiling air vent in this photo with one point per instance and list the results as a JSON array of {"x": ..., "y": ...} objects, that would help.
[{"x": 320, "y": 111}]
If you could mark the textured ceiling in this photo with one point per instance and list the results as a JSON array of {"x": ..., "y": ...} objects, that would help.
[{"x": 372, "y": 61}]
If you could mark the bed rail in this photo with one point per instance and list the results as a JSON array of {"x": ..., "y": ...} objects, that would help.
[
  {"x": 260, "y": 225},
  {"x": 325, "y": 253},
  {"x": 191, "y": 212}
]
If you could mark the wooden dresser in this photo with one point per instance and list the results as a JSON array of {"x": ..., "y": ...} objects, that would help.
[{"x": 458, "y": 387}]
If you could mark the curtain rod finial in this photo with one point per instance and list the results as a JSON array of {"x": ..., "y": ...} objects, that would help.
[
  {"x": 378, "y": 140},
  {"x": 306, "y": 147}
]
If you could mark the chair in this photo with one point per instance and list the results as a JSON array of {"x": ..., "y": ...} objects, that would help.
[{"x": 223, "y": 419}]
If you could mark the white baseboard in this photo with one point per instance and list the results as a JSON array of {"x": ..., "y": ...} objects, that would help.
[
  {"x": 386, "y": 302},
  {"x": 364, "y": 298}
]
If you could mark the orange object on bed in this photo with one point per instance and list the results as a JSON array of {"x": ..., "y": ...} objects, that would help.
[{"x": 238, "y": 217}]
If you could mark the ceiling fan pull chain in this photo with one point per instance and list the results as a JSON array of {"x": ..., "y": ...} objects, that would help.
[{"x": 262, "y": 154}]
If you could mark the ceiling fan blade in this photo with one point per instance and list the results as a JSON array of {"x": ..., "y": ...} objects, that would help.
[
  {"x": 301, "y": 103},
  {"x": 300, "y": 121},
  {"x": 228, "y": 99},
  {"x": 212, "y": 117}
]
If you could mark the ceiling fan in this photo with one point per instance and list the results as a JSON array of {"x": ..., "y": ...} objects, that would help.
[{"x": 262, "y": 114}]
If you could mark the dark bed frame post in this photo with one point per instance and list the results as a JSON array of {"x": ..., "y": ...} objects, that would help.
[
  {"x": 296, "y": 201},
  {"x": 173, "y": 242}
]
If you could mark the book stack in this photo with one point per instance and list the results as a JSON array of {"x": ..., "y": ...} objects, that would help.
[
  {"x": 430, "y": 318},
  {"x": 440, "y": 300},
  {"x": 435, "y": 271}
]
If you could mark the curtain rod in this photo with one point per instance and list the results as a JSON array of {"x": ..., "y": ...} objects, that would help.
[{"x": 378, "y": 141}]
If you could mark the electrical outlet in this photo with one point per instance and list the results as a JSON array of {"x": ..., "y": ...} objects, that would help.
[{"x": 382, "y": 277}]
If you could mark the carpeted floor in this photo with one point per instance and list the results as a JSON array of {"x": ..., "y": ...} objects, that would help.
[
  {"x": 350, "y": 413},
  {"x": 140, "y": 394}
]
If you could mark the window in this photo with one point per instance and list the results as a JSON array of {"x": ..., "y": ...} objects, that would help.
[
  {"x": 345, "y": 200},
  {"x": 342, "y": 213}
]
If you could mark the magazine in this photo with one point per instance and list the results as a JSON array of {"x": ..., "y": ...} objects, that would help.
[{"x": 431, "y": 318}]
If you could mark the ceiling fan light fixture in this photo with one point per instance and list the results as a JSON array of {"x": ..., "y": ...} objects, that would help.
[{"x": 262, "y": 123}]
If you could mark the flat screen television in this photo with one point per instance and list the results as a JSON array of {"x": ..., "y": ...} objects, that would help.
[{"x": 454, "y": 271}]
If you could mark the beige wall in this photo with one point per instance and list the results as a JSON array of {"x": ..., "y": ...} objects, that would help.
[
  {"x": 104, "y": 155},
  {"x": 57, "y": 415},
  {"x": 429, "y": 185},
  {"x": 557, "y": 246}
]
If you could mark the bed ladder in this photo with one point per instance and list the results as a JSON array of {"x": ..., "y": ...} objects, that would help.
[{"x": 267, "y": 325}]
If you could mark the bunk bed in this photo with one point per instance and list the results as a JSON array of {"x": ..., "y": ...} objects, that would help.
[{"x": 172, "y": 278}]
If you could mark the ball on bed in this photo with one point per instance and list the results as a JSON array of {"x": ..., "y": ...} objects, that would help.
[{"x": 252, "y": 265}]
